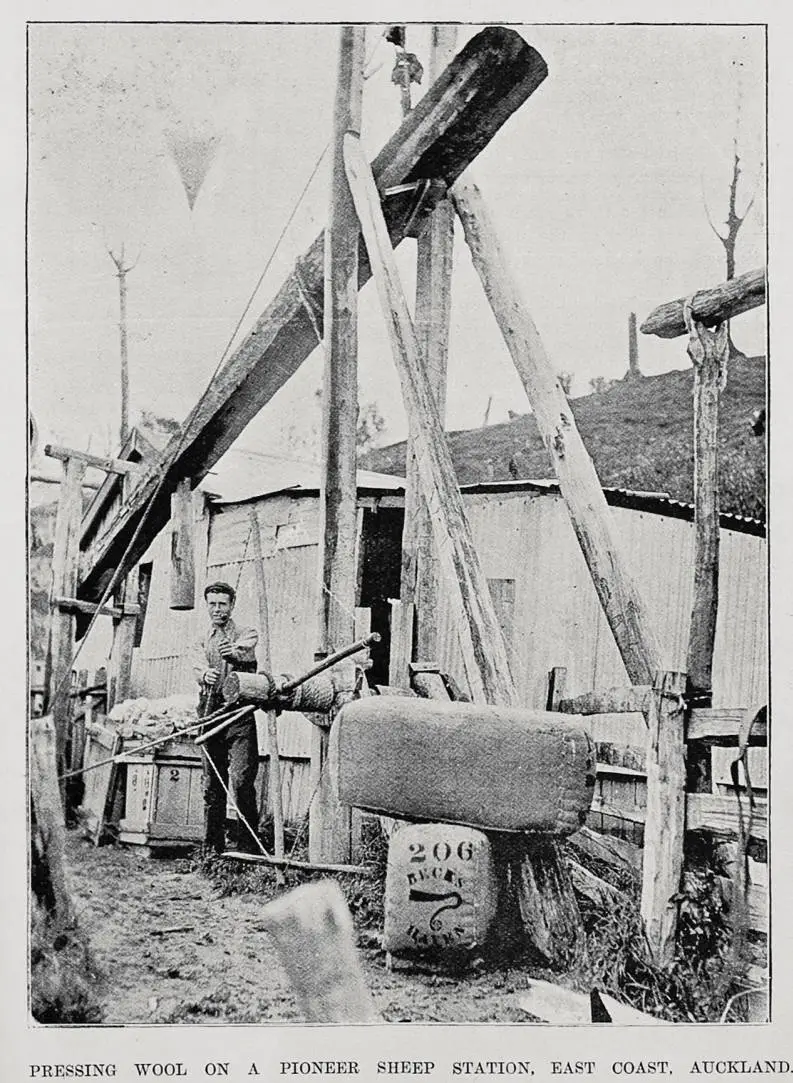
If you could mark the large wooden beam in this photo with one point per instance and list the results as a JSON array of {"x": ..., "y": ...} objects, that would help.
[
  {"x": 458, "y": 116},
  {"x": 709, "y": 306},
  {"x": 330, "y": 823},
  {"x": 434, "y": 247},
  {"x": 578, "y": 482},
  {"x": 481, "y": 640}
]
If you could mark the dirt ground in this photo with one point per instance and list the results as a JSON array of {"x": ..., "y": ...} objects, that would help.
[{"x": 174, "y": 947}]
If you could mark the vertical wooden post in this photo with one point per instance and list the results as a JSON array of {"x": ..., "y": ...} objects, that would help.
[
  {"x": 120, "y": 673},
  {"x": 65, "y": 562},
  {"x": 49, "y": 838},
  {"x": 665, "y": 820},
  {"x": 265, "y": 664},
  {"x": 329, "y": 822},
  {"x": 435, "y": 244},
  {"x": 589, "y": 513},
  {"x": 708, "y": 351},
  {"x": 182, "y": 554}
]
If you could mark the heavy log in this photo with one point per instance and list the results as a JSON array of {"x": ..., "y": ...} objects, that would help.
[
  {"x": 709, "y": 306},
  {"x": 458, "y": 116}
]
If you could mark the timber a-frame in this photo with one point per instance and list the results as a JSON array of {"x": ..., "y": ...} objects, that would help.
[{"x": 414, "y": 187}]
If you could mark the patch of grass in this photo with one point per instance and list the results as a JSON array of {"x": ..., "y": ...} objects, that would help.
[
  {"x": 225, "y": 1005},
  {"x": 659, "y": 409},
  {"x": 64, "y": 980},
  {"x": 699, "y": 983}
]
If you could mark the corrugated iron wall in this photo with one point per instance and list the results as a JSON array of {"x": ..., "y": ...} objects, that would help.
[
  {"x": 541, "y": 585},
  {"x": 556, "y": 616}
]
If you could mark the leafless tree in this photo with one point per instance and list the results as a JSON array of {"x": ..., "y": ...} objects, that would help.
[
  {"x": 734, "y": 218},
  {"x": 122, "y": 270}
]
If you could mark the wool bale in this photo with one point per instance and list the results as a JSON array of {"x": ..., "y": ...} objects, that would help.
[
  {"x": 440, "y": 890},
  {"x": 496, "y": 768}
]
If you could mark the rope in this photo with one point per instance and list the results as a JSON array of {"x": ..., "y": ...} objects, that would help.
[
  {"x": 152, "y": 744},
  {"x": 233, "y": 803}
]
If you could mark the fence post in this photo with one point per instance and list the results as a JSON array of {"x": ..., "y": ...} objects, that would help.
[{"x": 665, "y": 821}]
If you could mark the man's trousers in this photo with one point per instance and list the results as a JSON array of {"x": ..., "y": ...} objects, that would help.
[{"x": 235, "y": 754}]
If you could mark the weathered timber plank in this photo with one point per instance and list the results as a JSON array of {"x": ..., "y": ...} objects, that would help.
[
  {"x": 704, "y": 812},
  {"x": 624, "y": 856},
  {"x": 120, "y": 673},
  {"x": 560, "y": 1006},
  {"x": 633, "y": 699},
  {"x": 627, "y": 616},
  {"x": 593, "y": 888},
  {"x": 722, "y": 724},
  {"x": 719, "y": 815},
  {"x": 49, "y": 837},
  {"x": 74, "y": 605},
  {"x": 709, "y": 306},
  {"x": 458, "y": 116}
]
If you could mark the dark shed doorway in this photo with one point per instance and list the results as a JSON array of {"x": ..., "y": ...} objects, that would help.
[{"x": 380, "y": 575}]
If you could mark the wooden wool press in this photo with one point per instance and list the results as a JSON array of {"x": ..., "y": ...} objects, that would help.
[{"x": 474, "y": 780}]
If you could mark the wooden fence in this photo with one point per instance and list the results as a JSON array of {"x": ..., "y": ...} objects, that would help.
[{"x": 726, "y": 809}]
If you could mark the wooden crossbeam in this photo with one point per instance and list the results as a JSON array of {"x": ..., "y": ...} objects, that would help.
[
  {"x": 458, "y": 116},
  {"x": 111, "y": 466},
  {"x": 710, "y": 307},
  {"x": 75, "y": 605}
]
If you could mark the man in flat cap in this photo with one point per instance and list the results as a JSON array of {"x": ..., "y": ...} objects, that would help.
[{"x": 231, "y": 758}]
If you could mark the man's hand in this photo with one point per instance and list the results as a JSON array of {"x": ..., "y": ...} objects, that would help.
[
  {"x": 225, "y": 650},
  {"x": 211, "y": 677}
]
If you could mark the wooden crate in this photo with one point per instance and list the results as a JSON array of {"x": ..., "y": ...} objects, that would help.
[{"x": 164, "y": 803}]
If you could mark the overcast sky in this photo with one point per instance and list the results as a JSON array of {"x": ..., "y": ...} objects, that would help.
[{"x": 596, "y": 187}]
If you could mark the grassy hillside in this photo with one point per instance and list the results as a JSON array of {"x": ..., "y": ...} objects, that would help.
[{"x": 639, "y": 434}]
